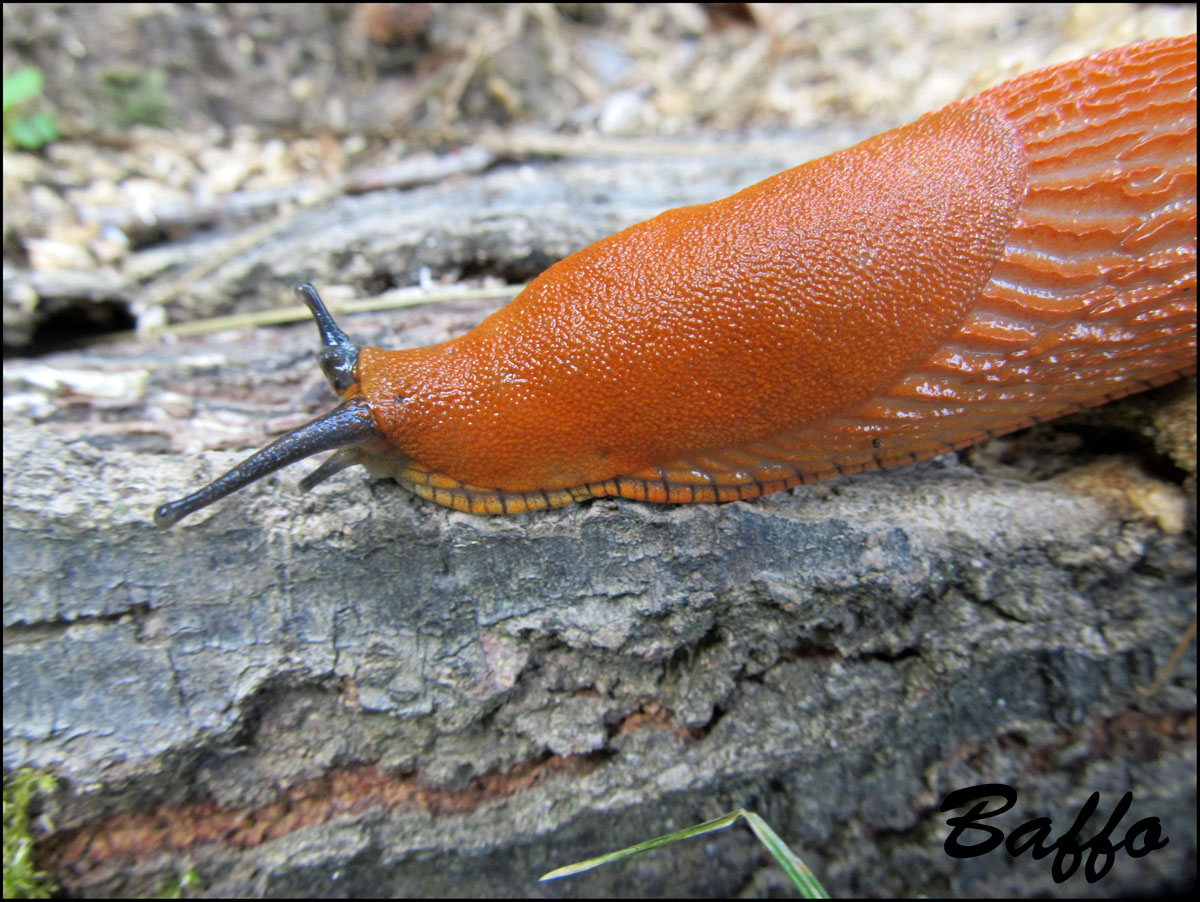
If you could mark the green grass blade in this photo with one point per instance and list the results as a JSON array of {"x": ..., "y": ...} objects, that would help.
[
  {"x": 686, "y": 833},
  {"x": 798, "y": 872}
]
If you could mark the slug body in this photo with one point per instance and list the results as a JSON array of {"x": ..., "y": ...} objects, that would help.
[{"x": 1002, "y": 261}]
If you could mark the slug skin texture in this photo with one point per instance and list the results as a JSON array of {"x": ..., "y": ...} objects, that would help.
[{"x": 1010, "y": 258}]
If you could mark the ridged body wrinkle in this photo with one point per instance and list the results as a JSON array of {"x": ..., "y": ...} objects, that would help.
[{"x": 1094, "y": 295}]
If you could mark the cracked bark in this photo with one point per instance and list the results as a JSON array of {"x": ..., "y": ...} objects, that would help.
[{"x": 354, "y": 692}]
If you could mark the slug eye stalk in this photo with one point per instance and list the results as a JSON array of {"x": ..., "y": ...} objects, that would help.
[
  {"x": 350, "y": 424},
  {"x": 339, "y": 355}
]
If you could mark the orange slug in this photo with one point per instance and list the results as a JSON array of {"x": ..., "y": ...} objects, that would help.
[{"x": 1007, "y": 259}]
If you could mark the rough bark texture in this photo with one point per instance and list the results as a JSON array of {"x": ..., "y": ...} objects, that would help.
[{"x": 354, "y": 692}]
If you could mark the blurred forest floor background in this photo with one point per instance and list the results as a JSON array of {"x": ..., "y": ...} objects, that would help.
[{"x": 128, "y": 126}]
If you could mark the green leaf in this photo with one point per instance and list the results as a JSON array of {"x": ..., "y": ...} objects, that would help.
[
  {"x": 45, "y": 126},
  {"x": 22, "y": 86},
  {"x": 34, "y": 131}
]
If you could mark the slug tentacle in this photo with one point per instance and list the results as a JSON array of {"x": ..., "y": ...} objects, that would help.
[
  {"x": 350, "y": 423},
  {"x": 331, "y": 466},
  {"x": 339, "y": 355}
]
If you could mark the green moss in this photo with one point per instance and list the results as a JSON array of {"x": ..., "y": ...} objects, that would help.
[
  {"x": 21, "y": 879},
  {"x": 179, "y": 887}
]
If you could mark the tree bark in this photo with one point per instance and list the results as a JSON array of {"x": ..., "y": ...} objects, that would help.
[{"x": 354, "y": 692}]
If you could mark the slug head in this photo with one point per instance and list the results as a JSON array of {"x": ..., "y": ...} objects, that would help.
[{"x": 348, "y": 426}]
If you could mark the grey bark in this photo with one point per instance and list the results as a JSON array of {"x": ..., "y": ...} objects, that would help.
[{"x": 501, "y": 696}]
